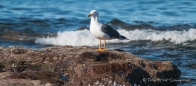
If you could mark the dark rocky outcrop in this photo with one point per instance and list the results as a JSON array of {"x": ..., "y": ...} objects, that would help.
[
  {"x": 73, "y": 66},
  {"x": 118, "y": 24}
]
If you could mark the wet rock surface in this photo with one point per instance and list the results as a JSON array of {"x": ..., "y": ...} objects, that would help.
[{"x": 68, "y": 65}]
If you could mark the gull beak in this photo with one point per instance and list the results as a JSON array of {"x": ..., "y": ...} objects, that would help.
[{"x": 89, "y": 15}]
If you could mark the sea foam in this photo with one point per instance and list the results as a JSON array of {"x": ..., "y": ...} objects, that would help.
[{"x": 83, "y": 37}]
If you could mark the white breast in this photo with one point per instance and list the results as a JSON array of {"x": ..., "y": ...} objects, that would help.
[{"x": 95, "y": 30}]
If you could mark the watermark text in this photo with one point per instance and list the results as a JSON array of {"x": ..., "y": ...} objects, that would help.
[{"x": 166, "y": 80}]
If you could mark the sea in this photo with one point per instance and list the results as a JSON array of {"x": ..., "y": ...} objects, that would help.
[{"x": 162, "y": 30}]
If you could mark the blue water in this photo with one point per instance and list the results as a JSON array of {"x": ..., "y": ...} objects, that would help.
[
  {"x": 160, "y": 30},
  {"x": 164, "y": 11}
]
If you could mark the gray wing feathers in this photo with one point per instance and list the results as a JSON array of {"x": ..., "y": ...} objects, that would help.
[{"x": 110, "y": 31}]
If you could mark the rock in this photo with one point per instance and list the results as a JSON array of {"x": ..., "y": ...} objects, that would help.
[
  {"x": 118, "y": 24},
  {"x": 83, "y": 28},
  {"x": 19, "y": 51},
  {"x": 24, "y": 82},
  {"x": 68, "y": 65},
  {"x": 46, "y": 76}
]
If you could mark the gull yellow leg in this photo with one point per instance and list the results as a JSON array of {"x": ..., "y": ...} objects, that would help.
[
  {"x": 104, "y": 45},
  {"x": 100, "y": 49},
  {"x": 99, "y": 44}
]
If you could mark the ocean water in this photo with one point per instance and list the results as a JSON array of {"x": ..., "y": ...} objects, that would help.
[{"x": 157, "y": 30}]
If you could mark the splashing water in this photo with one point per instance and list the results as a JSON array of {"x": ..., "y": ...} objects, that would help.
[{"x": 83, "y": 37}]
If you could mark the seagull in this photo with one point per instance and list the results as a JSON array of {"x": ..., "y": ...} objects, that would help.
[{"x": 102, "y": 31}]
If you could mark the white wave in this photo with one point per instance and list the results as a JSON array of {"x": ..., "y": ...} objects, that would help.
[
  {"x": 176, "y": 37},
  {"x": 83, "y": 37}
]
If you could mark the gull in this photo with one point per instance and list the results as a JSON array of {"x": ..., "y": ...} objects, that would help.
[{"x": 102, "y": 31}]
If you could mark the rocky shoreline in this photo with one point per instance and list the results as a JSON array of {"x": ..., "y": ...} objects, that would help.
[{"x": 81, "y": 66}]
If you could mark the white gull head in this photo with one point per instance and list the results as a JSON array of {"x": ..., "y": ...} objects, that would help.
[{"x": 93, "y": 13}]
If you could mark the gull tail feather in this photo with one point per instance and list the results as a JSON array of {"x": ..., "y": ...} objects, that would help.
[{"x": 123, "y": 38}]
